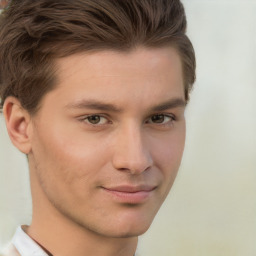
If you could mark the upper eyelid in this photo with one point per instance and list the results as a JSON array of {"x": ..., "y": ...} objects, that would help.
[
  {"x": 85, "y": 117},
  {"x": 164, "y": 114},
  {"x": 96, "y": 114},
  {"x": 172, "y": 116},
  {"x": 107, "y": 116}
]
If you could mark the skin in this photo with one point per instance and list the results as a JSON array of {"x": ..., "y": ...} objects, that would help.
[{"x": 114, "y": 119}]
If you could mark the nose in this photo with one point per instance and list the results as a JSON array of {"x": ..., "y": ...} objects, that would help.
[{"x": 131, "y": 152}]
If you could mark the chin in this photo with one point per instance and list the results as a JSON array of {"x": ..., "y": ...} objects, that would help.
[
  {"x": 130, "y": 227},
  {"x": 128, "y": 232}
]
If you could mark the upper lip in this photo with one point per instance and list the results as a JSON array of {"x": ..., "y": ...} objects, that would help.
[{"x": 130, "y": 188}]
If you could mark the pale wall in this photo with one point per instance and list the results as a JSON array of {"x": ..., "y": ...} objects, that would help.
[{"x": 211, "y": 210}]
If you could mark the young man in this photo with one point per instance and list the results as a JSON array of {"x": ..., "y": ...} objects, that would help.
[{"x": 94, "y": 93}]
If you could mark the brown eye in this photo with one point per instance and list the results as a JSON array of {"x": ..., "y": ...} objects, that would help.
[
  {"x": 160, "y": 119},
  {"x": 157, "y": 118},
  {"x": 95, "y": 119}
]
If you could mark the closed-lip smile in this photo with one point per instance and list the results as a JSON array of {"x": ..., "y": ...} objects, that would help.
[{"x": 130, "y": 194}]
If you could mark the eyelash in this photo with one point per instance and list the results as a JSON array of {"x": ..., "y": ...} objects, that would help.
[
  {"x": 86, "y": 119},
  {"x": 169, "y": 122},
  {"x": 170, "y": 117}
]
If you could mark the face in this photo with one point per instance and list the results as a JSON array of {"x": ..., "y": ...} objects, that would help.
[{"x": 108, "y": 140}]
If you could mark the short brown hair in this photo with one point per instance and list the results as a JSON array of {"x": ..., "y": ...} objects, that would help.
[{"x": 34, "y": 33}]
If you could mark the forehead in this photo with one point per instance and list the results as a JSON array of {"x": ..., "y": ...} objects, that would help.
[
  {"x": 137, "y": 77},
  {"x": 138, "y": 62}
]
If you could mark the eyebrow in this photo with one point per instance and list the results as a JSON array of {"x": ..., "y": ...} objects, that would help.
[
  {"x": 94, "y": 104},
  {"x": 173, "y": 103},
  {"x": 98, "y": 105}
]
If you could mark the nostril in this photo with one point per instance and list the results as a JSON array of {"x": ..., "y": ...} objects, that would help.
[
  {"x": 133, "y": 167},
  {"x": 123, "y": 169}
]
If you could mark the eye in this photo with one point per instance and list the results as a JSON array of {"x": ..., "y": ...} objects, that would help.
[
  {"x": 95, "y": 120},
  {"x": 160, "y": 119}
]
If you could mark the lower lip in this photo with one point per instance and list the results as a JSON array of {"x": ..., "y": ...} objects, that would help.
[{"x": 129, "y": 198}]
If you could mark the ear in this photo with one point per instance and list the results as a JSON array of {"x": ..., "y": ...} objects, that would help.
[{"x": 18, "y": 122}]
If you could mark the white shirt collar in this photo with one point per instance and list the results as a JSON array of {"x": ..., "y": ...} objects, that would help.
[{"x": 25, "y": 245}]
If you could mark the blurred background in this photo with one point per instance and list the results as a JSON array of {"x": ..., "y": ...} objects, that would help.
[{"x": 211, "y": 210}]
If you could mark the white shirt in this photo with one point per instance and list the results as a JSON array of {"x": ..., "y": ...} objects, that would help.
[{"x": 24, "y": 245}]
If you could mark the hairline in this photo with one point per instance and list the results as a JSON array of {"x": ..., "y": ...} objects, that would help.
[{"x": 55, "y": 59}]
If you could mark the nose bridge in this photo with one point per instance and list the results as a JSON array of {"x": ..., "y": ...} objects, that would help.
[{"x": 131, "y": 150}]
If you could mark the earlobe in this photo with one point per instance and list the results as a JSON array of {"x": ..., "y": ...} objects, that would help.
[{"x": 18, "y": 122}]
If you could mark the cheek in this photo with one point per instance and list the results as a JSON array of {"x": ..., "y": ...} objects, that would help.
[
  {"x": 168, "y": 153},
  {"x": 71, "y": 160}
]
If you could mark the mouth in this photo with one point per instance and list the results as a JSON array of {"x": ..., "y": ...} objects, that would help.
[{"x": 130, "y": 194}]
